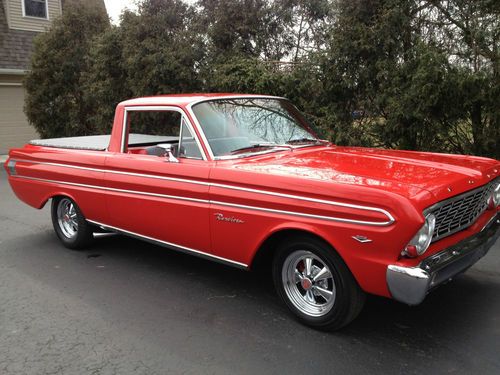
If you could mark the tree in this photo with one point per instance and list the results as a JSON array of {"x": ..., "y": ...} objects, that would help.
[
  {"x": 411, "y": 74},
  {"x": 162, "y": 49},
  {"x": 234, "y": 27},
  {"x": 380, "y": 63},
  {"x": 106, "y": 82},
  {"x": 55, "y": 101},
  {"x": 469, "y": 33}
]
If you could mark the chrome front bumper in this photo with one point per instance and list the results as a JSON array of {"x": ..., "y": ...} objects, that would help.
[{"x": 410, "y": 285}]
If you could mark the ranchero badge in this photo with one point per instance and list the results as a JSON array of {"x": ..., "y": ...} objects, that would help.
[{"x": 230, "y": 219}]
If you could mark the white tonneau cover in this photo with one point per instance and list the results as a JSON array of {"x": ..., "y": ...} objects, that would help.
[{"x": 99, "y": 142}]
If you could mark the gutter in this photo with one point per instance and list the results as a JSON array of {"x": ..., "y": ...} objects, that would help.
[{"x": 14, "y": 72}]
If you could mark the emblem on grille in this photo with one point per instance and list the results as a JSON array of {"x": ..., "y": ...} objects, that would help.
[{"x": 229, "y": 219}]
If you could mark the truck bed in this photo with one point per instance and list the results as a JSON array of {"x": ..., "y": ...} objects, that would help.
[{"x": 100, "y": 142}]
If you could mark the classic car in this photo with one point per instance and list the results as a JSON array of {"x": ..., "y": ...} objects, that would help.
[{"x": 245, "y": 180}]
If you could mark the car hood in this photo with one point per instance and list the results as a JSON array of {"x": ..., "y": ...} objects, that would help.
[{"x": 443, "y": 175}]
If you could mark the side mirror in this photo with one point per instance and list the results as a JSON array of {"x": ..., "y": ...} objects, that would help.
[{"x": 169, "y": 155}]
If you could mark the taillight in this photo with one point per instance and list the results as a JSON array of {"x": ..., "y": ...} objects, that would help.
[{"x": 11, "y": 167}]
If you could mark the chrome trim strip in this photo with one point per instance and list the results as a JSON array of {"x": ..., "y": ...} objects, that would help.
[
  {"x": 314, "y": 200},
  {"x": 158, "y": 108},
  {"x": 117, "y": 190},
  {"x": 102, "y": 170},
  {"x": 390, "y": 218},
  {"x": 254, "y": 208},
  {"x": 173, "y": 246},
  {"x": 312, "y": 216}
]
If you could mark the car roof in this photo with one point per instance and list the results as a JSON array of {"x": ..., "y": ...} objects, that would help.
[{"x": 186, "y": 99}]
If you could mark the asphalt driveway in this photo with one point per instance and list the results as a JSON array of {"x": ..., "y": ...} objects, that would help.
[{"x": 128, "y": 307}]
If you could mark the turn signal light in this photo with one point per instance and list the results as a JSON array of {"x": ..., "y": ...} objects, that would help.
[
  {"x": 421, "y": 241},
  {"x": 411, "y": 251}
]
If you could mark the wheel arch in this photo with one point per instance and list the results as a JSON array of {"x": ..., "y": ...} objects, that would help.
[
  {"x": 57, "y": 194},
  {"x": 264, "y": 253}
]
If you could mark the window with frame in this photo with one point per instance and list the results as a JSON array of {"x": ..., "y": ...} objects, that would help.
[
  {"x": 148, "y": 130},
  {"x": 35, "y": 8}
]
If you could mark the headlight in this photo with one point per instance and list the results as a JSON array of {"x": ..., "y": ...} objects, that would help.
[{"x": 419, "y": 244}]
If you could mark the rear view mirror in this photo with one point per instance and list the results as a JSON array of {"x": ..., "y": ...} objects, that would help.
[{"x": 169, "y": 155}]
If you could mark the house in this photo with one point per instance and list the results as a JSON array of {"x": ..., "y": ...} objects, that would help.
[{"x": 20, "y": 22}]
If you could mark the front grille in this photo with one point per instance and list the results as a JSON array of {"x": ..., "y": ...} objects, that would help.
[{"x": 458, "y": 213}]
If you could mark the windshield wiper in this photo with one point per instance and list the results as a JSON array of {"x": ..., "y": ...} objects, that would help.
[
  {"x": 303, "y": 140},
  {"x": 257, "y": 145}
]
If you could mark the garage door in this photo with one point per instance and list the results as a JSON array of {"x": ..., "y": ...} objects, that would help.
[{"x": 14, "y": 128}]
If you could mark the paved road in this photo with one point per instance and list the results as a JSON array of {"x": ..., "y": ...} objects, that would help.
[{"x": 127, "y": 307}]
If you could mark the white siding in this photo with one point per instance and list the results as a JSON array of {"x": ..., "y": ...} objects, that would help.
[
  {"x": 14, "y": 128},
  {"x": 17, "y": 21}
]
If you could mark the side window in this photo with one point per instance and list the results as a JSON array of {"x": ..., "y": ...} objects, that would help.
[
  {"x": 188, "y": 147},
  {"x": 147, "y": 130}
]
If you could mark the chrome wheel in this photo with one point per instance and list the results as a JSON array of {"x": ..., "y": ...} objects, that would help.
[
  {"x": 308, "y": 283},
  {"x": 67, "y": 218}
]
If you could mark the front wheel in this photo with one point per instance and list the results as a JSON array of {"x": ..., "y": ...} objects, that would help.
[
  {"x": 315, "y": 284},
  {"x": 70, "y": 224}
]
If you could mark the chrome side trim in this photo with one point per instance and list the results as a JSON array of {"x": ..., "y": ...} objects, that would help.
[
  {"x": 254, "y": 208},
  {"x": 172, "y": 246},
  {"x": 293, "y": 213},
  {"x": 173, "y": 179},
  {"x": 117, "y": 190},
  {"x": 390, "y": 218},
  {"x": 313, "y": 200}
]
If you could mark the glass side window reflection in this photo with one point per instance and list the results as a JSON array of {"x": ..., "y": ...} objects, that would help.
[
  {"x": 149, "y": 130},
  {"x": 251, "y": 124},
  {"x": 188, "y": 148}
]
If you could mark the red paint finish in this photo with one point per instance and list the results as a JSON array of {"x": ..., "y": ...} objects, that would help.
[{"x": 228, "y": 208}]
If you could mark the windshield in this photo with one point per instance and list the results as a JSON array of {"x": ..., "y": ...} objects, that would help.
[{"x": 242, "y": 125}]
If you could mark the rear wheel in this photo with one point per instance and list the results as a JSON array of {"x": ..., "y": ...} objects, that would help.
[
  {"x": 70, "y": 224},
  {"x": 315, "y": 284}
]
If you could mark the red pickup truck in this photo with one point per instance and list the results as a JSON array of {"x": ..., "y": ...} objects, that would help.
[{"x": 246, "y": 181}]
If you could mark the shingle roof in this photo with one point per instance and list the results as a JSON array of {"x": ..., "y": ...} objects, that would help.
[{"x": 15, "y": 45}]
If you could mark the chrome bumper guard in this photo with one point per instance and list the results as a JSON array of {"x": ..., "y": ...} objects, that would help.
[{"x": 410, "y": 285}]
